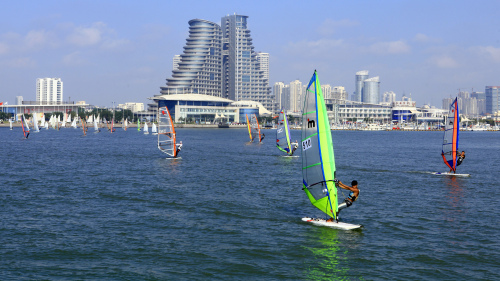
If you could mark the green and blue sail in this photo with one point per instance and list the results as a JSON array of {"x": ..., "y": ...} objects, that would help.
[
  {"x": 283, "y": 134},
  {"x": 318, "y": 161}
]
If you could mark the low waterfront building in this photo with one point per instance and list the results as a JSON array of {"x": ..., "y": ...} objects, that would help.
[{"x": 205, "y": 108}]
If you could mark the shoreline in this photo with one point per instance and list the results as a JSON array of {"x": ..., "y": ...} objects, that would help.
[{"x": 215, "y": 126}]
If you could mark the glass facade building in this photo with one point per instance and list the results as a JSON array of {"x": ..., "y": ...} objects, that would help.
[
  {"x": 242, "y": 76},
  {"x": 492, "y": 99},
  {"x": 361, "y": 76},
  {"x": 371, "y": 90}
]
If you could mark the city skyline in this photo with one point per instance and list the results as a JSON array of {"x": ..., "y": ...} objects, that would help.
[{"x": 123, "y": 52}]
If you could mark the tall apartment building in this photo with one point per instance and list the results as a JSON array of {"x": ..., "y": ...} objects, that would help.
[
  {"x": 295, "y": 96},
  {"x": 481, "y": 101},
  {"x": 49, "y": 90},
  {"x": 285, "y": 98},
  {"x": 371, "y": 90},
  {"x": 263, "y": 59},
  {"x": 492, "y": 94},
  {"x": 361, "y": 76},
  {"x": 278, "y": 92},
  {"x": 242, "y": 77},
  {"x": 199, "y": 70}
]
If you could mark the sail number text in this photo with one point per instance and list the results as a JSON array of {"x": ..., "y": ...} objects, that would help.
[{"x": 306, "y": 144}]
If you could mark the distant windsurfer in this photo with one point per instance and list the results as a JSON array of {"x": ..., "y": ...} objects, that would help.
[
  {"x": 27, "y": 134},
  {"x": 353, "y": 195},
  {"x": 178, "y": 148},
  {"x": 295, "y": 146},
  {"x": 263, "y": 136}
]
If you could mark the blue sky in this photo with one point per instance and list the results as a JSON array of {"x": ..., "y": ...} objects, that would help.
[{"x": 121, "y": 51}]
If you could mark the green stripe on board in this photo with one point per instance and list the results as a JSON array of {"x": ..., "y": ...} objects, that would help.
[
  {"x": 312, "y": 165},
  {"x": 310, "y": 136}
]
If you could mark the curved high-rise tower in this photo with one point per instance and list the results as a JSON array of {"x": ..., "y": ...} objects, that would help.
[
  {"x": 361, "y": 76},
  {"x": 200, "y": 66}
]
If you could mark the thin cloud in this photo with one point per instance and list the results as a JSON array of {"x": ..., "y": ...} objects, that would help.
[
  {"x": 87, "y": 36},
  {"x": 387, "y": 48},
  {"x": 74, "y": 59},
  {"x": 329, "y": 26},
  {"x": 39, "y": 38},
  {"x": 22, "y": 62},
  {"x": 444, "y": 61},
  {"x": 491, "y": 52},
  {"x": 322, "y": 47},
  {"x": 4, "y": 48}
]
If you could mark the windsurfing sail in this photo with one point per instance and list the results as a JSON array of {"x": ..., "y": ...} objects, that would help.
[
  {"x": 125, "y": 124},
  {"x": 318, "y": 161},
  {"x": 26, "y": 130},
  {"x": 153, "y": 129},
  {"x": 146, "y": 130},
  {"x": 96, "y": 128},
  {"x": 249, "y": 128},
  {"x": 166, "y": 133},
  {"x": 10, "y": 123},
  {"x": 84, "y": 127},
  {"x": 255, "y": 128},
  {"x": 283, "y": 134},
  {"x": 35, "y": 123},
  {"x": 138, "y": 125},
  {"x": 450, "y": 139}
]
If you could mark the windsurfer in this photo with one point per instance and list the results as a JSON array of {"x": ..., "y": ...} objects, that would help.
[
  {"x": 178, "y": 147},
  {"x": 353, "y": 195},
  {"x": 295, "y": 146},
  {"x": 461, "y": 157},
  {"x": 263, "y": 136}
]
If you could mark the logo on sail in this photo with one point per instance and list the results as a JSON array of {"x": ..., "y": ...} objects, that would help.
[{"x": 311, "y": 123}]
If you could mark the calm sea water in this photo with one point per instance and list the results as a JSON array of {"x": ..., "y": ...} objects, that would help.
[{"x": 111, "y": 207}]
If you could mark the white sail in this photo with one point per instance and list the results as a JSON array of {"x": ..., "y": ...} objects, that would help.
[
  {"x": 153, "y": 130},
  {"x": 146, "y": 130},
  {"x": 35, "y": 123},
  {"x": 46, "y": 125},
  {"x": 166, "y": 133},
  {"x": 96, "y": 128},
  {"x": 73, "y": 124},
  {"x": 10, "y": 122}
]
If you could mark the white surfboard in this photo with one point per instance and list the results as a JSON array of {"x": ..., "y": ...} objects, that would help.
[
  {"x": 451, "y": 174},
  {"x": 334, "y": 224}
]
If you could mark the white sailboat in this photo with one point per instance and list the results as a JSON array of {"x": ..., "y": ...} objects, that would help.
[
  {"x": 73, "y": 124},
  {"x": 146, "y": 130},
  {"x": 35, "y": 123},
  {"x": 10, "y": 123},
  {"x": 96, "y": 128},
  {"x": 153, "y": 129}
]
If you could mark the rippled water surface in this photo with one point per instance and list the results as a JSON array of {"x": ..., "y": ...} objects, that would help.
[{"x": 111, "y": 207}]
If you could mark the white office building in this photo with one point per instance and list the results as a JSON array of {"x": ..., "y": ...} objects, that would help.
[{"x": 49, "y": 90}]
